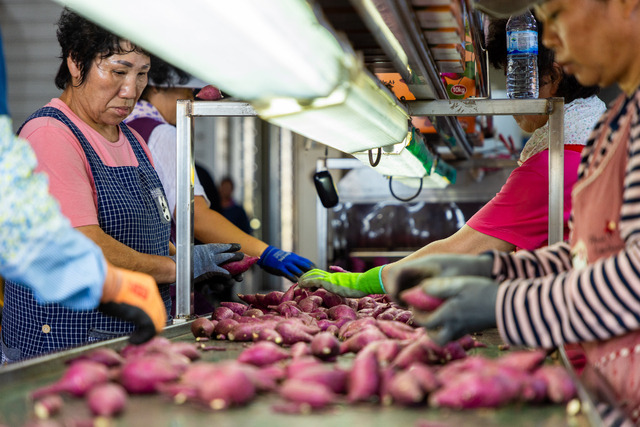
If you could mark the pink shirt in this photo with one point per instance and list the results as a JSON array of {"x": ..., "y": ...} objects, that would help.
[
  {"x": 62, "y": 158},
  {"x": 519, "y": 213}
]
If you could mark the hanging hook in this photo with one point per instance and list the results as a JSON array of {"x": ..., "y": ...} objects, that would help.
[{"x": 378, "y": 157}]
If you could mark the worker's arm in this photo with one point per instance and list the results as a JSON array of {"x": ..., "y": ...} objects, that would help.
[{"x": 161, "y": 268}]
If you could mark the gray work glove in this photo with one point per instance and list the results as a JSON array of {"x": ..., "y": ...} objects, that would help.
[
  {"x": 208, "y": 258},
  {"x": 411, "y": 273},
  {"x": 470, "y": 306}
]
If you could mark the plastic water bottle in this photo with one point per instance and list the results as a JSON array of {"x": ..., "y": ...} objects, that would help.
[{"x": 522, "y": 56}]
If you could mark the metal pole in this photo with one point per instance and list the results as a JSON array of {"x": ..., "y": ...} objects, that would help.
[
  {"x": 556, "y": 170},
  {"x": 184, "y": 209}
]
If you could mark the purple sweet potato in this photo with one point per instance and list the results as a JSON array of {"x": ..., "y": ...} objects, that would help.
[
  {"x": 237, "y": 267},
  {"x": 223, "y": 327},
  {"x": 301, "y": 364},
  {"x": 342, "y": 311},
  {"x": 386, "y": 376},
  {"x": 267, "y": 334},
  {"x": 417, "y": 298},
  {"x": 333, "y": 377},
  {"x": 325, "y": 345},
  {"x": 142, "y": 375},
  {"x": 473, "y": 389},
  {"x": 358, "y": 341},
  {"x": 209, "y": 93},
  {"x": 222, "y": 313},
  {"x": 251, "y": 299},
  {"x": 425, "y": 377},
  {"x": 241, "y": 332},
  {"x": 468, "y": 342},
  {"x": 78, "y": 379},
  {"x": 107, "y": 399},
  {"x": 107, "y": 356},
  {"x": 405, "y": 389},
  {"x": 395, "y": 329},
  {"x": 157, "y": 344},
  {"x": 48, "y": 406},
  {"x": 289, "y": 294},
  {"x": 417, "y": 351},
  {"x": 560, "y": 387},
  {"x": 263, "y": 353},
  {"x": 330, "y": 299},
  {"x": 186, "y": 349},
  {"x": 525, "y": 360},
  {"x": 404, "y": 316},
  {"x": 273, "y": 298},
  {"x": 310, "y": 303},
  {"x": 315, "y": 395},
  {"x": 287, "y": 309},
  {"x": 300, "y": 349},
  {"x": 291, "y": 333},
  {"x": 364, "y": 377},
  {"x": 237, "y": 307},
  {"x": 366, "y": 302},
  {"x": 229, "y": 385},
  {"x": 202, "y": 327},
  {"x": 386, "y": 350},
  {"x": 452, "y": 350},
  {"x": 253, "y": 312},
  {"x": 337, "y": 269},
  {"x": 352, "y": 327}
]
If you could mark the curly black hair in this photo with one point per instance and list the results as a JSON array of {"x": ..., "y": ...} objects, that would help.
[
  {"x": 568, "y": 88},
  {"x": 83, "y": 41},
  {"x": 163, "y": 74}
]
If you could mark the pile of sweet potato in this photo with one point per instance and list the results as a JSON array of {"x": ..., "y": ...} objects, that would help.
[{"x": 293, "y": 343}]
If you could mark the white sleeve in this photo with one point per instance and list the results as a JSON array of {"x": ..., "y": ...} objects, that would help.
[{"x": 162, "y": 144}]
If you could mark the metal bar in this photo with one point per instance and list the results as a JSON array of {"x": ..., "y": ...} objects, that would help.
[
  {"x": 322, "y": 219},
  {"x": 221, "y": 109},
  {"x": 556, "y": 171},
  {"x": 480, "y": 107},
  {"x": 184, "y": 209}
]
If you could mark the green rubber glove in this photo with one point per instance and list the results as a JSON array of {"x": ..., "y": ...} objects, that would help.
[{"x": 350, "y": 285}]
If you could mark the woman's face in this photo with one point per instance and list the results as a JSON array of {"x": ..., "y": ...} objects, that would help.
[
  {"x": 111, "y": 88},
  {"x": 590, "y": 38}
]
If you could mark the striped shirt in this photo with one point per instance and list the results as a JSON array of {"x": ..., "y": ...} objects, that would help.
[{"x": 543, "y": 302}]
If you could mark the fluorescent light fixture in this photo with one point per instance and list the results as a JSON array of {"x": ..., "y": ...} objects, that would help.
[
  {"x": 249, "y": 48},
  {"x": 360, "y": 114},
  {"x": 410, "y": 160}
]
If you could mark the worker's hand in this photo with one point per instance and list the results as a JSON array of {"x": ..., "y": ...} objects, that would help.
[
  {"x": 133, "y": 296},
  {"x": 350, "y": 285},
  {"x": 208, "y": 258},
  {"x": 282, "y": 263},
  {"x": 409, "y": 274},
  {"x": 470, "y": 306}
]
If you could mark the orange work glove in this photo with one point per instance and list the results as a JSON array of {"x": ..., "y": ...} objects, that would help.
[{"x": 133, "y": 296}]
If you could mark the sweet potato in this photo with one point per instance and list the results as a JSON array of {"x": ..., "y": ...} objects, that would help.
[
  {"x": 325, "y": 345},
  {"x": 229, "y": 385},
  {"x": 417, "y": 298},
  {"x": 287, "y": 309},
  {"x": 386, "y": 350},
  {"x": 397, "y": 330},
  {"x": 107, "y": 399},
  {"x": 405, "y": 389},
  {"x": 366, "y": 302},
  {"x": 417, "y": 351},
  {"x": 289, "y": 294},
  {"x": 475, "y": 389},
  {"x": 263, "y": 353},
  {"x": 333, "y": 377},
  {"x": 452, "y": 351},
  {"x": 157, "y": 344},
  {"x": 106, "y": 356},
  {"x": 364, "y": 377},
  {"x": 358, "y": 341},
  {"x": 78, "y": 379},
  {"x": 223, "y": 327},
  {"x": 300, "y": 349},
  {"x": 236, "y": 307},
  {"x": 251, "y": 299},
  {"x": 404, "y": 316},
  {"x": 142, "y": 375},
  {"x": 386, "y": 375},
  {"x": 560, "y": 387},
  {"x": 267, "y": 334},
  {"x": 525, "y": 360},
  {"x": 352, "y": 327},
  {"x": 222, "y": 313},
  {"x": 186, "y": 349},
  {"x": 209, "y": 93},
  {"x": 291, "y": 334},
  {"x": 342, "y": 311},
  {"x": 468, "y": 342},
  {"x": 238, "y": 267},
  {"x": 425, "y": 377},
  {"x": 242, "y": 332},
  {"x": 202, "y": 327},
  {"x": 253, "y": 312},
  {"x": 330, "y": 299},
  {"x": 301, "y": 364},
  {"x": 47, "y": 406},
  {"x": 315, "y": 395}
]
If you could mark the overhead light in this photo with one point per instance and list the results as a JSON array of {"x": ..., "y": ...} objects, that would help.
[
  {"x": 248, "y": 48},
  {"x": 358, "y": 115}
]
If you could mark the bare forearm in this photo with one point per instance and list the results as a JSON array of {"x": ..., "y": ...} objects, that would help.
[
  {"x": 464, "y": 241},
  {"x": 211, "y": 227},
  {"x": 162, "y": 268}
]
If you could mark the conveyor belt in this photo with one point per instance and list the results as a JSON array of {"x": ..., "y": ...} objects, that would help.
[{"x": 18, "y": 380}]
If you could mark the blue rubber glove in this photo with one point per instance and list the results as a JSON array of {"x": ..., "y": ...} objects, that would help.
[{"x": 282, "y": 263}]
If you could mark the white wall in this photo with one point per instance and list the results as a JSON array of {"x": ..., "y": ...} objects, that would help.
[{"x": 31, "y": 54}]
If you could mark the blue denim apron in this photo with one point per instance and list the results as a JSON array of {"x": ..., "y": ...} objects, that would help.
[{"x": 132, "y": 209}]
